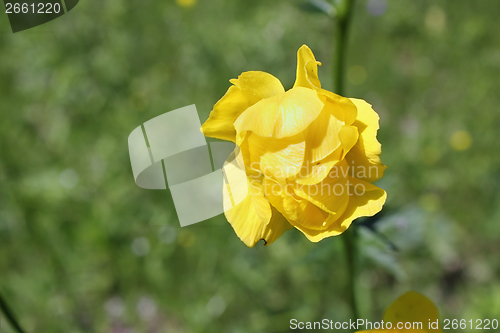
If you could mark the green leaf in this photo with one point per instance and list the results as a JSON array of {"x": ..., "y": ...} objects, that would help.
[
  {"x": 9, "y": 315},
  {"x": 319, "y": 6}
]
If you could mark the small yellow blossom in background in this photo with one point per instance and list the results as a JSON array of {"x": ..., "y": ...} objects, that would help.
[
  {"x": 309, "y": 155},
  {"x": 186, "y": 3},
  {"x": 410, "y": 309},
  {"x": 356, "y": 75},
  {"x": 460, "y": 140},
  {"x": 435, "y": 20},
  {"x": 430, "y": 202}
]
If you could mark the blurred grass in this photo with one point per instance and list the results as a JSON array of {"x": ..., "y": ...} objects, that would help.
[{"x": 83, "y": 249}]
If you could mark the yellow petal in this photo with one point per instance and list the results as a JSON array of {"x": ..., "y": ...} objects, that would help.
[
  {"x": 341, "y": 107},
  {"x": 248, "y": 89},
  {"x": 331, "y": 129},
  {"x": 322, "y": 136},
  {"x": 253, "y": 219},
  {"x": 313, "y": 173},
  {"x": 235, "y": 187},
  {"x": 307, "y": 69},
  {"x": 284, "y": 162},
  {"x": 295, "y": 209},
  {"x": 367, "y": 204},
  {"x": 348, "y": 138},
  {"x": 366, "y": 151},
  {"x": 258, "y": 85},
  {"x": 276, "y": 227},
  {"x": 252, "y": 161},
  {"x": 220, "y": 122},
  {"x": 315, "y": 235},
  {"x": 281, "y": 116},
  {"x": 413, "y": 307},
  {"x": 331, "y": 195},
  {"x": 366, "y": 200},
  {"x": 276, "y": 158}
]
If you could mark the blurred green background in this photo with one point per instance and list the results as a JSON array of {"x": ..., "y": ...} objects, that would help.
[{"x": 83, "y": 249}]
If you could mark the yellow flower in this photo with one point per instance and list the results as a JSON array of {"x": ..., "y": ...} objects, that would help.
[
  {"x": 186, "y": 3},
  {"x": 309, "y": 155},
  {"x": 413, "y": 310}
]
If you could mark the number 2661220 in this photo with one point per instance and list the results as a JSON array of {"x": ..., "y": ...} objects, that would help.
[{"x": 39, "y": 8}]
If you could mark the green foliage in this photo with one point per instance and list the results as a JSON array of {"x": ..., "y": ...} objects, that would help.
[{"x": 83, "y": 249}]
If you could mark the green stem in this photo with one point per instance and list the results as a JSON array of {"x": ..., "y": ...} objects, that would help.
[
  {"x": 9, "y": 315},
  {"x": 342, "y": 21},
  {"x": 349, "y": 238}
]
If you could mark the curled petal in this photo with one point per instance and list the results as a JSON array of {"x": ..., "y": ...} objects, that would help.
[
  {"x": 330, "y": 195},
  {"x": 348, "y": 137},
  {"x": 258, "y": 85},
  {"x": 313, "y": 173},
  {"x": 219, "y": 124},
  {"x": 366, "y": 200},
  {"x": 296, "y": 210},
  {"x": 322, "y": 136},
  {"x": 307, "y": 69},
  {"x": 367, "y": 204},
  {"x": 366, "y": 151},
  {"x": 281, "y": 116},
  {"x": 275, "y": 158},
  {"x": 253, "y": 219},
  {"x": 283, "y": 163},
  {"x": 276, "y": 227},
  {"x": 341, "y": 107},
  {"x": 248, "y": 89}
]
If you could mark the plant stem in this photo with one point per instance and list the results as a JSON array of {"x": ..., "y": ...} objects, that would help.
[
  {"x": 342, "y": 20},
  {"x": 9, "y": 315},
  {"x": 349, "y": 238}
]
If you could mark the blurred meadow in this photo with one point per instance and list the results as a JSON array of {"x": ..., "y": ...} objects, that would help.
[{"x": 83, "y": 249}]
